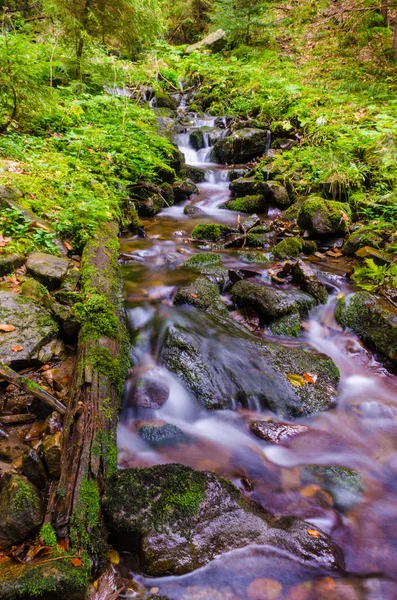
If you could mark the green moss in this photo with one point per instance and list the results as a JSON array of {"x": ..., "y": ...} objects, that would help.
[
  {"x": 212, "y": 232},
  {"x": 34, "y": 289},
  {"x": 85, "y": 517},
  {"x": 54, "y": 577},
  {"x": 253, "y": 241},
  {"x": 197, "y": 139},
  {"x": 309, "y": 246},
  {"x": 102, "y": 361},
  {"x": 253, "y": 257},
  {"x": 201, "y": 259},
  {"x": 48, "y": 535},
  {"x": 202, "y": 293},
  {"x": 324, "y": 217},
  {"x": 97, "y": 317},
  {"x": 288, "y": 326},
  {"x": 288, "y": 247},
  {"x": 248, "y": 204}
]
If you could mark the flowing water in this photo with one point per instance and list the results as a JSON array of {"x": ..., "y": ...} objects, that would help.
[{"x": 361, "y": 433}]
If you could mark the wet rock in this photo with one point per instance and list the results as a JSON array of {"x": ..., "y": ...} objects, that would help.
[
  {"x": 33, "y": 469},
  {"x": 69, "y": 323},
  {"x": 304, "y": 276},
  {"x": 162, "y": 436},
  {"x": 222, "y": 365},
  {"x": 252, "y": 257},
  {"x": 182, "y": 519},
  {"x": 373, "y": 320},
  {"x": 202, "y": 259},
  {"x": 196, "y": 138},
  {"x": 150, "y": 206},
  {"x": 195, "y": 174},
  {"x": 10, "y": 262},
  {"x": 344, "y": 484},
  {"x": 202, "y": 294},
  {"x": 245, "y": 186},
  {"x": 21, "y": 510},
  {"x": 324, "y": 217},
  {"x": 276, "y": 433},
  {"x": 183, "y": 190},
  {"x": 359, "y": 239},
  {"x": 287, "y": 326},
  {"x": 163, "y": 100},
  {"x": 237, "y": 240},
  {"x": 248, "y": 204},
  {"x": 53, "y": 424},
  {"x": 288, "y": 247},
  {"x": 242, "y": 145},
  {"x": 250, "y": 223},
  {"x": 211, "y": 232},
  {"x": 215, "y": 42},
  {"x": 50, "y": 270},
  {"x": 51, "y": 448},
  {"x": 194, "y": 212},
  {"x": 149, "y": 390},
  {"x": 34, "y": 330},
  {"x": 168, "y": 127},
  {"x": 246, "y": 317},
  {"x": 31, "y": 288},
  {"x": 237, "y": 174},
  {"x": 269, "y": 302},
  {"x": 275, "y": 194}
]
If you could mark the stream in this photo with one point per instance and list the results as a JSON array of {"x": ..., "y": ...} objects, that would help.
[{"x": 360, "y": 433}]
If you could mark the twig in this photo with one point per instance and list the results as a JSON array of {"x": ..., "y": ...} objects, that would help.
[{"x": 31, "y": 387}]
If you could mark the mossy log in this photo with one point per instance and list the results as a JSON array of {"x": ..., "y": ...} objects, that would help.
[{"x": 90, "y": 453}]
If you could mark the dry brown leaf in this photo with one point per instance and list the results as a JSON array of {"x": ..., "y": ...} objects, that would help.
[
  {"x": 37, "y": 225},
  {"x": 6, "y": 328},
  {"x": 296, "y": 380},
  {"x": 314, "y": 533},
  {"x": 67, "y": 245},
  {"x": 17, "y": 348},
  {"x": 64, "y": 544},
  {"x": 76, "y": 562},
  {"x": 310, "y": 378}
]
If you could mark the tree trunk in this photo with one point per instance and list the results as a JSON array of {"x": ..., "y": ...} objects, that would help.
[
  {"x": 89, "y": 439},
  {"x": 384, "y": 10},
  {"x": 395, "y": 40}
]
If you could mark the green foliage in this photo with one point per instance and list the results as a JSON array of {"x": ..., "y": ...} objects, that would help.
[
  {"x": 241, "y": 19},
  {"x": 186, "y": 20},
  {"x": 48, "y": 535},
  {"x": 25, "y": 238},
  {"x": 372, "y": 277}
]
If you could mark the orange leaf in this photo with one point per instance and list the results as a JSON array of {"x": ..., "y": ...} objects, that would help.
[
  {"x": 5, "y": 327},
  {"x": 64, "y": 544},
  {"x": 314, "y": 533},
  {"x": 17, "y": 348},
  {"x": 67, "y": 245},
  {"x": 310, "y": 490},
  {"x": 76, "y": 562},
  {"x": 310, "y": 378}
]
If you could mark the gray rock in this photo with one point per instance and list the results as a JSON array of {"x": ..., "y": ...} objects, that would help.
[
  {"x": 48, "y": 269},
  {"x": 195, "y": 174},
  {"x": 304, "y": 276},
  {"x": 21, "y": 510},
  {"x": 10, "y": 262},
  {"x": 33, "y": 469},
  {"x": 276, "y": 433},
  {"x": 241, "y": 146},
  {"x": 245, "y": 186},
  {"x": 215, "y": 42},
  {"x": 182, "y": 519},
  {"x": 162, "y": 436},
  {"x": 149, "y": 390},
  {"x": 194, "y": 212},
  {"x": 34, "y": 329},
  {"x": 221, "y": 365},
  {"x": 275, "y": 194}
]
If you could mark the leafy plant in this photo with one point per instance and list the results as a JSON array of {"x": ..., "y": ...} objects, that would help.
[{"x": 373, "y": 277}]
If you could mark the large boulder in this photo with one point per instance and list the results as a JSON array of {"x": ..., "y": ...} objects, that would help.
[
  {"x": 202, "y": 293},
  {"x": 177, "y": 520},
  {"x": 215, "y": 42},
  {"x": 245, "y": 186},
  {"x": 247, "y": 204},
  {"x": 34, "y": 331},
  {"x": 21, "y": 510},
  {"x": 241, "y": 146},
  {"x": 269, "y": 302},
  {"x": 222, "y": 365},
  {"x": 324, "y": 217},
  {"x": 50, "y": 270},
  {"x": 374, "y": 320}
]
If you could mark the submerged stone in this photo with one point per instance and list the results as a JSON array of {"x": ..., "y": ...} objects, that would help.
[
  {"x": 276, "y": 433},
  {"x": 194, "y": 211},
  {"x": 21, "y": 510},
  {"x": 222, "y": 365},
  {"x": 177, "y": 520},
  {"x": 344, "y": 484},
  {"x": 162, "y": 436},
  {"x": 372, "y": 319}
]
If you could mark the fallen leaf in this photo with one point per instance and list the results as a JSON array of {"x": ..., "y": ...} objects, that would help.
[
  {"x": 6, "y": 328},
  {"x": 64, "y": 544},
  {"x": 37, "y": 225},
  {"x": 314, "y": 533},
  {"x": 319, "y": 255},
  {"x": 310, "y": 378},
  {"x": 310, "y": 490},
  {"x": 333, "y": 253},
  {"x": 76, "y": 562},
  {"x": 296, "y": 380},
  {"x": 67, "y": 245},
  {"x": 17, "y": 348},
  {"x": 113, "y": 557}
]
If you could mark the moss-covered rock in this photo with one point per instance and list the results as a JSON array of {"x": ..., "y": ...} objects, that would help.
[
  {"x": 52, "y": 579},
  {"x": 288, "y": 247},
  {"x": 275, "y": 194},
  {"x": 222, "y": 366},
  {"x": 344, "y": 484},
  {"x": 31, "y": 288},
  {"x": 245, "y": 186},
  {"x": 307, "y": 280},
  {"x": 248, "y": 204},
  {"x": 269, "y": 302},
  {"x": 195, "y": 174},
  {"x": 163, "y": 100},
  {"x": 210, "y": 266},
  {"x": 288, "y": 326},
  {"x": 183, "y": 190},
  {"x": 211, "y": 232},
  {"x": 241, "y": 146},
  {"x": 21, "y": 510},
  {"x": 324, "y": 217},
  {"x": 196, "y": 138},
  {"x": 149, "y": 206},
  {"x": 202, "y": 293},
  {"x": 252, "y": 257},
  {"x": 370, "y": 318},
  {"x": 177, "y": 520},
  {"x": 202, "y": 260}
]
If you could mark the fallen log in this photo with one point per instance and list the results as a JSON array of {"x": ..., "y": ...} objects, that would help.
[
  {"x": 89, "y": 439},
  {"x": 31, "y": 387}
]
